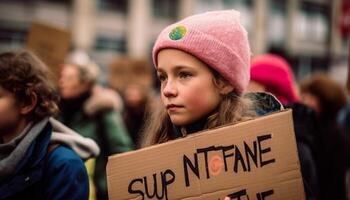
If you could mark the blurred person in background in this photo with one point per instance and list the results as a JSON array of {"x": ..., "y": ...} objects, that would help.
[
  {"x": 132, "y": 78},
  {"x": 344, "y": 123},
  {"x": 272, "y": 73},
  {"x": 92, "y": 111},
  {"x": 40, "y": 158},
  {"x": 136, "y": 100},
  {"x": 327, "y": 98}
]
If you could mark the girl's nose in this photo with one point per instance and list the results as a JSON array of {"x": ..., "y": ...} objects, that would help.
[{"x": 170, "y": 90}]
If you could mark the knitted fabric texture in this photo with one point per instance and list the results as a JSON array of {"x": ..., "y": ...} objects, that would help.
[
  {"x": 276, "y": 75},
  {"x": 217, "y": 39}
]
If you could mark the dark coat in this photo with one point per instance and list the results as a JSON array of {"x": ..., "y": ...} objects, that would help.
[
  {"x": 54, "y": 175},
  {"x": 304, "y": 119},
  {"x": 332, "y": 160}
]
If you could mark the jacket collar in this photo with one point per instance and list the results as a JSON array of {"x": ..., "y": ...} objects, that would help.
[
  {"x": 182, "y": 131},
  {"x": 19, "y": 150}
]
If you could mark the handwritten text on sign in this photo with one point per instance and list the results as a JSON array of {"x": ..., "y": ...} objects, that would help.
[{"x": 242, "y": 160}]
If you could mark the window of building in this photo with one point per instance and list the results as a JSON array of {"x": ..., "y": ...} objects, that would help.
[
  {"x": 277, "y": 24},
  {"x": 103, "y": 43},
  {"x": 165, "y": 8},
  {"x": 13, "y": 34},
  {"x": 115, "y": 5},
  {"x": 65, "y": 2},
  {"x": 313, "y": 23}
]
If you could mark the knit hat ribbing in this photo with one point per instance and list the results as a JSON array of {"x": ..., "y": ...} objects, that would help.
[{"x": 216, "y": 38}]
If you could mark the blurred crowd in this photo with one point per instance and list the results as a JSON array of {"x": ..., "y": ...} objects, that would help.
[
  {"x": 321, "y": 123},
  {"x": 113, "y": 116},
  {"x": 62, "y": 115}
]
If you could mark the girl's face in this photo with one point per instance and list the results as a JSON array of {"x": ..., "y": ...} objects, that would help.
[
  {"x": 70, "y": 84},
  {"x": 311, "y": 101},
  {"x": 9, "y": 112},
  {"x": 187, "y": 88}
]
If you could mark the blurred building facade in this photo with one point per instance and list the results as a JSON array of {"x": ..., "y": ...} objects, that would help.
[{"x": 306, "y": 32}]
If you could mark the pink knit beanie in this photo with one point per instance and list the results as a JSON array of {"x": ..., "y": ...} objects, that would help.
[
  {"x": 216, "y": 38},
  {"x": 276, "y": 75}
]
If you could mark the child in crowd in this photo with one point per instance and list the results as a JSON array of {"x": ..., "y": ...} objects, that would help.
[
  {"x": 35, "y": 162},
  {"x": 203, "y": 64},
  {"x": 327, "y": 98}
]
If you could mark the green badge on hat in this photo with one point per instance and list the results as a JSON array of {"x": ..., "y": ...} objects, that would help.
[{"x": 177, "y": 33}]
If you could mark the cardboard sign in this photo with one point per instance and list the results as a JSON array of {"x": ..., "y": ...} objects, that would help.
[
  {"x": 50, "y": 44},
  {"x": 126, "y": 70},
  {"x": 254, "y": 160}
]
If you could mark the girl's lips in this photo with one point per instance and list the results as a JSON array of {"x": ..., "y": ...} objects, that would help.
[{"x": 173, "y": 106}]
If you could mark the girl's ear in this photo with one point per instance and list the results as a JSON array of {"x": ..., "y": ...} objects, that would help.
[
  {"x": 224, "y": 86},
  {"x": 27, "y": 107}
]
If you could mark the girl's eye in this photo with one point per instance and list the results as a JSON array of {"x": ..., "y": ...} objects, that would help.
[
  {"x": 161, "y": 77},
  {"x": 184, "y": 75}
]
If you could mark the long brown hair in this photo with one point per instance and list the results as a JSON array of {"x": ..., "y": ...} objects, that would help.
[{"x": 232, "y": 108}]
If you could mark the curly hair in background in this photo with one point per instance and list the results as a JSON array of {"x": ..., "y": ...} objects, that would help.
[{"x": 23, "y": 74}]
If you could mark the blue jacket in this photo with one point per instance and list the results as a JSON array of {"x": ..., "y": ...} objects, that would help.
[{"x": 58, "y": 174}]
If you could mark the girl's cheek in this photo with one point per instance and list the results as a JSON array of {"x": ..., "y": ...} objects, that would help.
[{"x": 162, "y": 99}]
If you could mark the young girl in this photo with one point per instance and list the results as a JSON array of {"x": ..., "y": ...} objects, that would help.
[
  {"x": 203, "y": 65},
  {"x": 35, "y": 162}
]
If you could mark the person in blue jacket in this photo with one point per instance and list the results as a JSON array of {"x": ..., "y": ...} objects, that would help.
[{"x": 39, "y": 157}]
